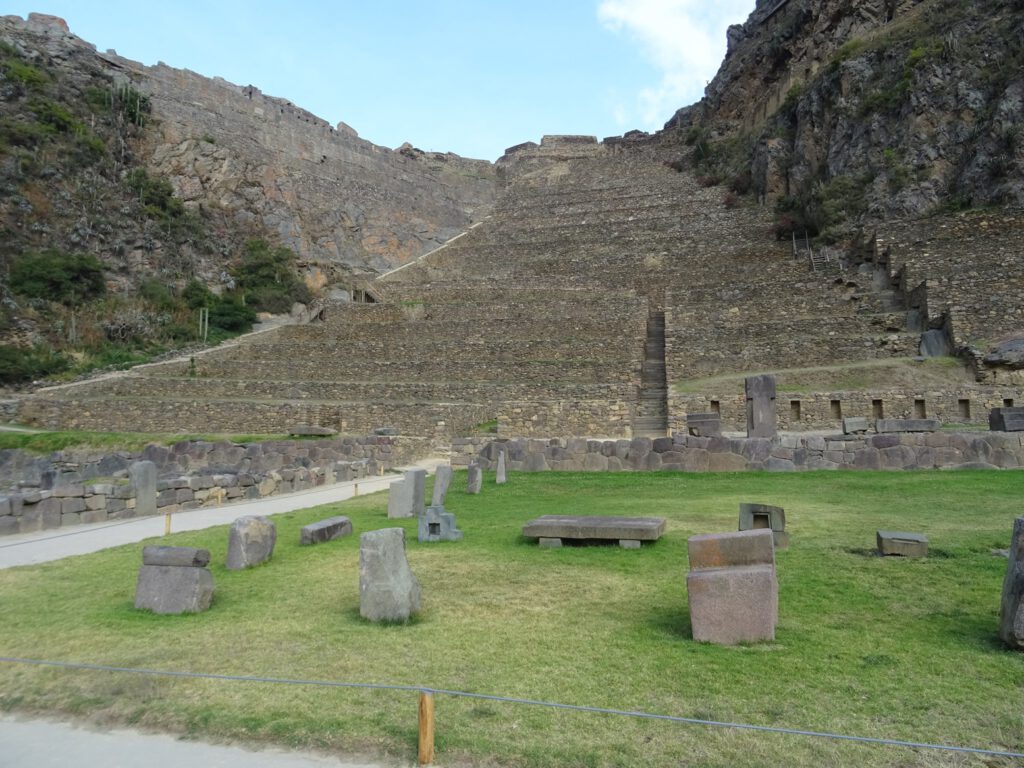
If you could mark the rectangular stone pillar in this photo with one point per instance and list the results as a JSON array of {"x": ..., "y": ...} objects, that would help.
[
  {"x": 142, "y": 475},
  {"x": 761, "y": 420}
]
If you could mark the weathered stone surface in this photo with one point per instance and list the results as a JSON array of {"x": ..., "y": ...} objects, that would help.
[
  {"x": 169, "y": 589},
  {"x": 1011, "y": 624},
  {"x": 437, "y": 525},
  {"x": 325, "y": 530},
  {"x": 756, "y": 516},
  {"x": 760, "y": 392},
  {"x": 733, "y": 605},
  {"x": 442, "y": 481},
  {"x": 855, "y": 425},
  {"x": 902, "y": 543},
  {"x": 1006, "y": 420},
  {"x": 388, "y": 590},
  {"x": 595, "y": 528},
  {"x": 180, "y": 557},
  {"x": 475, "y": 478},
  {"x": 725, "y": 550},
  {"x": 547, "y": 542},
  {"x": 501, "y": 476},
  {"x": 732, "y": 587},
  {"x": 907, "y": 425},
  {"x": 251, "y": 542},
  {"x": 400, "y": 499},
  {"x": 142, "y": 475}
]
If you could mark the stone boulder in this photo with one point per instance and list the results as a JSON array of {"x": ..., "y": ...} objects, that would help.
[
  {"x": 251, "y": 542},
  {"x": 388, "y": 590},
  {"x": 325, "y": 530},
  {"x": 474, "y": 479},
  {"x": 1011, "y": 625}
]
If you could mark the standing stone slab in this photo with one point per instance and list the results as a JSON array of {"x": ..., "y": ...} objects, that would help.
[
  {"x": 388, "y": 590},
  {"x": 437, "y": 525},
  {"x": 1011, "y": 625},
  {"x": 417, "y": 479},
  {"x": 761, "y": 421},
  {"x": 755, "y": 516},
  {"x": 501, "y": 476},
  {"x": 251, "y": 542},
  {"x": 732, "y": 587},
  {"x": 325, "y": 530},
  {"x": 902, "y": 543},
  {"x": 442, "y": 481},
  {"x": 400, "y": 495},
  {"x": 142, "y": 476},
  {"x": 474, "y": 479}
]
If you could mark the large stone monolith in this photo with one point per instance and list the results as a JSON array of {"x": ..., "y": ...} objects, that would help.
[
  {"x": 1011, "y": 625},
  {"x": 500, "y": 477},
  {"x": 142, "y": 477},
  {"x": 474, "y": 478},
  {"x": 761, "y": 421},
  {"x": 251, "y": 542},
  {"x": 388, "y": 590}
]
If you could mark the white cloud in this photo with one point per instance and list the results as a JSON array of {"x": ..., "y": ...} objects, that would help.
[{"x": 684, "y": 39}]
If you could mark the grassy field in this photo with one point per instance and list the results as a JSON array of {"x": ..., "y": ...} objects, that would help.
[
  {"x": 877, "y": 647},
  {"x": 42, "y": 442}
]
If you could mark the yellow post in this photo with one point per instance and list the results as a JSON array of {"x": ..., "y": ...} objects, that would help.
[
  {"x": 426, "y": 728},
  {"x": 167, "y": 524},
  {"x": 355, "y": 491}
]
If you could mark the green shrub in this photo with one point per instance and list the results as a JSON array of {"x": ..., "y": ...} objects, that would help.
[
  {"x": 196, "y": 295},
  {"x": 57, "y": 276},
  {"x": 230, "y": 314},
  {"x": 18, "y": 366},
  {"x": 156, "y": 195},
  {"x": 24, "y": 74},
  {"x": 158, "y": 293},
  {"x": 267, "y": 277},
  {"x": 56, "y": 115}
]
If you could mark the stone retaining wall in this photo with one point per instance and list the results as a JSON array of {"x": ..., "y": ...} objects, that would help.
[
  {"x": 785, "y": 453},
  {"x": 74, "y": 487}
]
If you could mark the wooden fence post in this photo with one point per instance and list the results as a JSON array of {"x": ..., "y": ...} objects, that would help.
[{"x": 426, "y": 728}]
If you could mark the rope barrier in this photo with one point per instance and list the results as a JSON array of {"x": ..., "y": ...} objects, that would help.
[{"x": 515, "y": 700}]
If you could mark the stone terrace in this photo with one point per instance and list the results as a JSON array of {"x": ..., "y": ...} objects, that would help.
[{"x": 602, "y": 276}]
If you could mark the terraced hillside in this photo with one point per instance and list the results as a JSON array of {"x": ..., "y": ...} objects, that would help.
[{"x": 602, "y": 276}]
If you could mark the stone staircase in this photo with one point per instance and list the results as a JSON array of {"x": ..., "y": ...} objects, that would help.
[
  {"x": 652, "y": 410},
  {"x": 597, "y": 282}
]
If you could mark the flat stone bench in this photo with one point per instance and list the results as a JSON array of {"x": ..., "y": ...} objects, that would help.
[
  {"x": 325, "y": 530},
  {"x": 627, "y": 531},
  {"x": 902, "y": 543}
]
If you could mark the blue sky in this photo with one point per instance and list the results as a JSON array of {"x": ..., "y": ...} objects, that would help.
[{"x": 465, "y": 76}]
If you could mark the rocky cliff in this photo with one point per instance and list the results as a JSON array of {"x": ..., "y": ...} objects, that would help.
[
  {"x": 271, "y": 166},
  {"x": 851, "y": 111}
]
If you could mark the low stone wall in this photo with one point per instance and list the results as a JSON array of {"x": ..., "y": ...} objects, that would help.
[
  {"x": 826, "y": 410},
  {"x": 613, "y": 418},
  {"x": 71, "y": 487},
  {"x": 785, "y": 453}
]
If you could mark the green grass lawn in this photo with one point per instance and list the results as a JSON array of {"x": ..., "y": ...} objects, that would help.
[{"x": 887, "y": 648}]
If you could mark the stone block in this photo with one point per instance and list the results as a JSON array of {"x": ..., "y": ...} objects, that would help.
[
  {"x": 325, "y": 530},
  {"x": 1006, "y": 420},
  {"x": 308, "y": 430},
  {"x": 704, "y": 424},
  {"x": 251, "y": 542},
  {"x": 69, "y": 490},
  {"x": 388, "y": 590},
  {"x": 475, "y": 478},
  {"x": 856, "y": 425},
  {"x": 724, "y": 550},
  {"x": 72, "y": 505},
  {"x": 179, "y": 557},
  {"x": 756, "y": 516},
  {"x": 96, "y": 502},
  {"x": 760, "y": 395},
  {"x": 417, "y": 480},
  {"x": 907, "y": 425},
  {"x": 94, "y": 516},
  {"x": 169, "y": 589},
  {"x": 5, "y": 506},
  {"x": 10, "y": 525},
  {"x": 400, "y": 499},
  {"x": 501, "y": 473},
  {"x": 142, "y": 475},
  {"x": 733, "y": 605},
  {"x": 1011, "y": 623},
  {"x": 902, "y": 543},
  {"x": 70, "y": 518},
  {"x": 437, "y": 525},
  {"x": 442, "y": 481}
]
